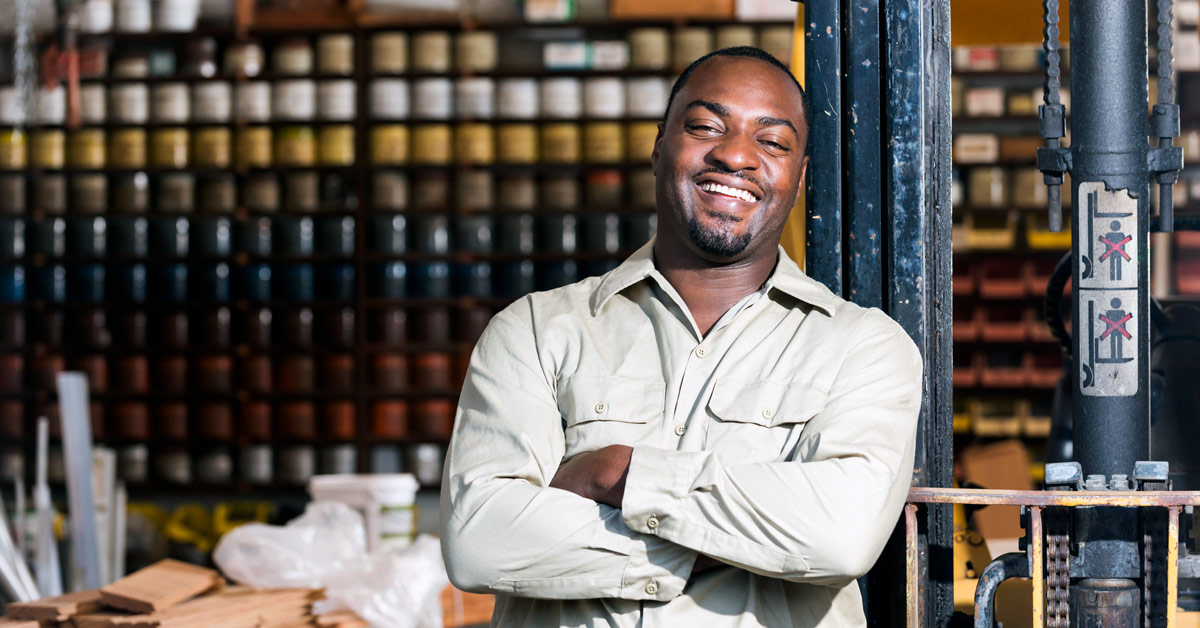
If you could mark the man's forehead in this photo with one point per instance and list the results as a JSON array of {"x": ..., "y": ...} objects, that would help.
[{"x": 740, "y": 79}]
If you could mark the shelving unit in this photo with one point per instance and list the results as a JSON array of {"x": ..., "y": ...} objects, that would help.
[{"x": 246, "y": 347}]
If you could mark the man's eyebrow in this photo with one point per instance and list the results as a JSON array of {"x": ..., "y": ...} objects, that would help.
[
  {"x": 769, "y": 121},
  {"x": 716, "y": 108}
]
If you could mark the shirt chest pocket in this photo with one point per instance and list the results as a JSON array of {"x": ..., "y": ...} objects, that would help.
[
  {"x": 601, "y": 410},
  {"x": 759, "y": 421}
]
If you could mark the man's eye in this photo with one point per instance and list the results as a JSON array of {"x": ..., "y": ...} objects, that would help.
[
  {"x": 701, "y": 128},
  {"x": 774, "y": 145}
]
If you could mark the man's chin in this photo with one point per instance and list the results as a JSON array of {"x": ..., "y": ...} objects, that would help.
[{"x": 717, "y": 245}]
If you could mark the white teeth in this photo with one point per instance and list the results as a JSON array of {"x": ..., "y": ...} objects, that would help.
[{"x": 711, "y": 186}]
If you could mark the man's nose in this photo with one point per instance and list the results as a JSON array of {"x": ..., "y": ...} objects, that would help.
[{"x": 735, "y": 151}]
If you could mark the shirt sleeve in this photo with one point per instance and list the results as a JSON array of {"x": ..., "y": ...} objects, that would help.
[
  {"x": 824, "y": 515},
  {"x": 504, "y": 530}
]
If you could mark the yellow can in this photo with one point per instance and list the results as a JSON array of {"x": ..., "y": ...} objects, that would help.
[
  {"x": 212, "y": 147},
  {"x": 127, "y": 148},
  {"x": 86, "y": 148},
  {"x": 431, "y": 144},
  {"x": 641, "y": 141},
  {"x": 253, "y": 148},
  {"x": 604, "y": 142},
  {"x": 336, "y": 146},
  {"x": 13, "y": 149},
  {"x": 560, "y": 143},
  {"x": 649, "y": 48},
  {"x": 169, "y": 148},
  {"x": 389, "y": 144},
  {"x": 518, "y": 143},
  {"x": 295, "y": 146},
  {"x": 49, "y": 149},
  {"x": 475, "y": 144}
]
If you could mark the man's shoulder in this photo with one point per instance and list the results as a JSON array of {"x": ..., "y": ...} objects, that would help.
[{"x": 572, "y": 298}]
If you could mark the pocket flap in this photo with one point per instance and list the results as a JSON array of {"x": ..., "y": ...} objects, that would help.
[
  {"x": 765, "y": 403},
  {"x": 584, "y": 398}
]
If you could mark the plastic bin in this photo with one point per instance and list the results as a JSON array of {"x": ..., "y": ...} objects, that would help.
[
  {"x": 386, "y": 501},
  {"x": 1002, "y": 278}
]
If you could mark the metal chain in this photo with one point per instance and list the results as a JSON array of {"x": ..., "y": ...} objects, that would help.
[
  {"x": 1148, "y": 601},
  {"x": 1154, "y": 580},
  {"x": 1058, "y": 576},
  {"x": 1166, "y": 71},
  {"x": 1051, "y": 47}
]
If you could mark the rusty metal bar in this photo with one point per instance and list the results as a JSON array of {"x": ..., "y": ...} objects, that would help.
[
  {"x": 1172, "y": 564},
  {"x": 988, "y": 497},
  {"x": 1037, "y": 565},
  {"x": 912, "y": 594}
]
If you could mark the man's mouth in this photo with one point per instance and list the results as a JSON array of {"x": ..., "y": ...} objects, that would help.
[{"x": 713, "y": 187}]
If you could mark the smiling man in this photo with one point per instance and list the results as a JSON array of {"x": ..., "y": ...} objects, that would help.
[{"x": 703, "y": 436}]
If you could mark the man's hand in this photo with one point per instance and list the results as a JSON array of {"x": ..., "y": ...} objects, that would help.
[{"x": 597, "y": 475}]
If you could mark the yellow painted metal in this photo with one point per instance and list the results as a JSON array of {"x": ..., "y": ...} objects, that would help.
[
  {"x": 792, "y": 238},
  {"x": 912, "y": 591},
  {"x": 1037, "y": 566},
  {"x": 934, "y": 495},
  {"x": 1172, "y": 564}
]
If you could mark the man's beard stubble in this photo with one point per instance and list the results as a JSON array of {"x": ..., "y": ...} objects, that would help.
[{"x": 717, "y": 242}]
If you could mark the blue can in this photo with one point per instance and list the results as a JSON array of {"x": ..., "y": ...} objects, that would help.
[
  {"x": 12, "y": 238},
  {"x": 50, "y": 237},
  {"x": 431, "y": 280},
  {"x": 12, "y": 283},
  {"x": 254, "y": 237},
  {"x": 170, "y": 236},
  {"x": 170, "y": 282},
  {"x": 297, "y": 283},
  {"x": 475, "y": 280},
  {"x": 516, "y": 234},
  {"x": 50, "y": 283},
  {"x": 256, "y": 282},
  {"x": 556, "y": 274},
  {"x": 212, "y": 236},
  {"x": 517, "y": 279},
  {"x": 129, "y": 235},
  {"x": 85, "y": 283},
  {"x": 337, "y": 282},
  {"x": 87, "y": 236},
  {"x": 337, "y": 236},
  {"x": 390, "y": 281},
  {"x": 211, "y": 283},
  {"x": 389, "y": 234},
  {"x": 128, "y": 283}
]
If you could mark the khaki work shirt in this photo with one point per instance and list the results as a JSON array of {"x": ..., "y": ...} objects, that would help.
[{"x": 781, "y": 443}]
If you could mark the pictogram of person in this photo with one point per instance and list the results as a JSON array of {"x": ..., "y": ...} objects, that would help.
[
  {"x": 1115, "y": 331},
  {"x": 1114, "y": 242}
]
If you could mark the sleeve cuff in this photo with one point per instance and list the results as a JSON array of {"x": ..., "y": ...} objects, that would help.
[
  {"x": 657, "y": 570},
  {"x": 658, "y": 481}
]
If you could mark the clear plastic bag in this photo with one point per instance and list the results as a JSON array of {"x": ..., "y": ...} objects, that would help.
[{"x": 326, "y": 548}]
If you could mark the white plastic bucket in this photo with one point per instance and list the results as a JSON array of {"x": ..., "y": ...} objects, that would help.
[{"x": 386, "y": 501}]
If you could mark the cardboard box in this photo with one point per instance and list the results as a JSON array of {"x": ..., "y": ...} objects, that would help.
[
  {"x": 670, "y": 9},
  {"x": 1001, "y": 465}
]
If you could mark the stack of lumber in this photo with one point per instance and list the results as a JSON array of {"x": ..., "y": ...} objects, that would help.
[
  {"x": 169, "y": 594},
  {"x": 460, "y": 608}
]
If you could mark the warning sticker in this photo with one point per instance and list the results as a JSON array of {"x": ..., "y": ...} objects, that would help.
[
  {"x": 1108, "y": 358},
  {"x": 1108, "y": 247}
]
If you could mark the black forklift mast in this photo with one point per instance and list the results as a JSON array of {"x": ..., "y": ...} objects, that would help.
[{"x": 878, "y": 233}]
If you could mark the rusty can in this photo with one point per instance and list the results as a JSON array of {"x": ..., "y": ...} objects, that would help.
[
  {"x": 338, "y": 419},
  {"x": 338, "y": 373},
  {"x": 297, "y": 374},
  {"x": 214, "y": 373},
  {"x": 298, "y": 420},
  {"x": 131, "y": 421},
  {"x": 215, "y": 422},
  {"x": 389, "y": 419},
  {"x": 171, "y": 422},
  {"x": 255, "y": 421},
  {"x": 389, "y": 372},
  {"x": 433, "y": 371},
  {"x": 171, "y": 374},
  {"x": 434, "y": 418}
]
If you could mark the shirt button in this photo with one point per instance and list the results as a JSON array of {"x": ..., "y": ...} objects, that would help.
[
  {"x": 652, "y": 588},
  {"x": 652, "y": 523},
  {"x": 701, "y": 352},
  {"x": 680, "y": 429},
  {"x": 601, "y": 407},
  {"x": 768, "y": 413}
]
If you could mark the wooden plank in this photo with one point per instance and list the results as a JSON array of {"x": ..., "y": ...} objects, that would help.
[
  {"x": 19, "y": 623},
  {"x": 160, "y": 586},
  {"x": 60, "y": 608}
]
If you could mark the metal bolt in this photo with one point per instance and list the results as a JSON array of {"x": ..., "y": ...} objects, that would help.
[
  {"x": 1119, "y": 482},
  {"x": 1095, "y": 482}
]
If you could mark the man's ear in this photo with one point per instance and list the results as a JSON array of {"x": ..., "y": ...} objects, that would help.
[
  {"x": 657, "y": 145},
  {"x": 803, "y": 176}
]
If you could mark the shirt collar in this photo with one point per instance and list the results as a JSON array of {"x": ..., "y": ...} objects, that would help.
[{"x": 787, "y": 278}]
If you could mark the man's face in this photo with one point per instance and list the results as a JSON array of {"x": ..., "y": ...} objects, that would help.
[{"x": 729, "y": 159}]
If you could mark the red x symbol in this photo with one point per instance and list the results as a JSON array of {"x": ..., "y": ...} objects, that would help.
[
  {"x": 1115, "y": 247},
  {"x": 1117, "y": 326}
]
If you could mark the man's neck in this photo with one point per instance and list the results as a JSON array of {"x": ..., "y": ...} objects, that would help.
[{"x": 710, "y": 290}]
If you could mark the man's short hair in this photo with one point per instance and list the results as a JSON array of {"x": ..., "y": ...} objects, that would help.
[{"x": 752, "y": 53}]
